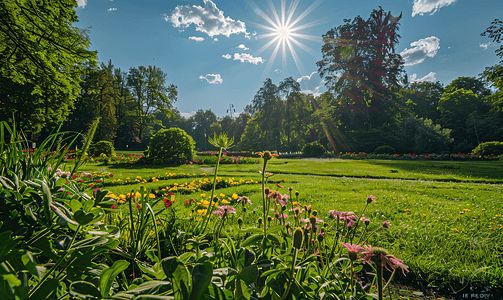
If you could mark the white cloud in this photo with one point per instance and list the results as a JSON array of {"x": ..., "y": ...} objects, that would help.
[
  {"x": 248, "y": 58},
  {"x": 420, "y": 50},
  {"x": 425, "y": 6},
  {"x": 196, "y": 38},
  {"x": 215, "y": 39},
  {"x": 430, "y": 77},
  {"x": 311, "y": 84},
  {"x": 212, "y": 78},
  {"x": 187, "y": 115},
  {"x": 112, "y": 9},
  {"x": 485, "y": 45},
  {"x": 208, "y": 19},
  {"x": 81, "y": 3},
  {"x": 277, "y": 71},
  {"x": 227, "y": 56},
  {"x": 242, "y": 46}
]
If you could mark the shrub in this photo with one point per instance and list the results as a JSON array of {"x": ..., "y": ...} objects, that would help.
[
  {"x": 384, "y": 150},
  {"x": 313, "y": 149},
  {"x": 489, "y": 148},
  {"x": 171, "y": 144},
  {"x": 102, "y": 147}
]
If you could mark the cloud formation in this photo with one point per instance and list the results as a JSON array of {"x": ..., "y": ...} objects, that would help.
[
  {"x": 227, "y": 56},
  {"x": 187, "y": 115},
  {"x": 212, "y": 78},
  {"x": 81, "y": 3},
  {"x": 208, "y": 19},
  {"x": 311, "y": 84},
  {"x": 430, "y": 77},
  {"x": 242, "y": 46},
  {"x": 245, "y": 57},
  {"x": 485, "y": 45},
  {"x": 425, "y": 6},
  {"x": 196, "y": 38},
  {"x": 420, "y": 50},
  {"x": 112, "y": 9}
]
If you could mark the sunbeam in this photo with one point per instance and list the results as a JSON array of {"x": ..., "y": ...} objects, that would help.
[{"x": 283, "y": 32}]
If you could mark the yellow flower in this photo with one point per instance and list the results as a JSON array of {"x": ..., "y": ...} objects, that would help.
[
  {"x": 151, "y": 196},
  {"x": 203, "y": 195},
  {"x": 235, "y": 196},
  {"x": 225, "y": 202},
  {"x": 222, "y": 195}
]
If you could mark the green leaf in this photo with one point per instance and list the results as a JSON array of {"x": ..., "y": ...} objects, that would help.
[
  {"x": 83, "y": 218},
  {"x": 47, "y": 201},
  {"x": 151, "y": 287},
  {"x": 6, "y": 245},
  {"x": 108, "y": 275},
  {"x": 174, "y": 268},
  {"x": 91, "y": 242},
  {"x": 201, "y": 278},
  {"x": 242, "y": 291},
  {"x": 249, "y": 274},
  {"x": 46, "y": 289},
  {"x": 84, "y": 289},
  {"x": 252, "y": 240}
]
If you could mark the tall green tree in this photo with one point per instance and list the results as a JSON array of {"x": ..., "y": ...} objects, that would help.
[
  {"x": 150, "y": 93},
  {"x": 41, "y": 52},
  {"x": 360, "y": 66},
  {"x": 201, "y": 128}
]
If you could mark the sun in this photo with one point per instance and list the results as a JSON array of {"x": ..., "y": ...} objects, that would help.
[{"x": 284, "y": 31}]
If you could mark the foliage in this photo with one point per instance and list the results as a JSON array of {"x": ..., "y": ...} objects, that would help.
[
  {"x": 150, "y": 94},
  {"x": 360, "y": 67},
  {"x": 313, "y": 149},
  {"x": 171, "y": 144},
  {"x": 42, "y": 53},
  {"x": 425, "y": 137},
  {"x": 384, "y": 150},
  {"x": 101, "y": 147},
  {"x": 489, "y": 149}
]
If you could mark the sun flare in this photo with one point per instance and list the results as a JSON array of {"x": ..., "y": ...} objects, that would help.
[{"x": 284, "y": 31}]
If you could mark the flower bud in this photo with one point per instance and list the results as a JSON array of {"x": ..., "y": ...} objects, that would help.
[
  {"x": 267, "y": 155},
  {"x": 312, "y": 220},
  {"x": 298, "y": 238},
  {"x": 315, "y": 213}
]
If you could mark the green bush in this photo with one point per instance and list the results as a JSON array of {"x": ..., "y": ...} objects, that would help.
[
  {"x": 489, "y": 148},
  {"x": 384, "y": 150},
  {"x": 102, "y": 147},
  {"x": 313, "y": 149},
  {"x": 171, "y": 144}
]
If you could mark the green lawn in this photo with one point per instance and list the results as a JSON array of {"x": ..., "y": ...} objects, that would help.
[{"x": 446, "y": 217}]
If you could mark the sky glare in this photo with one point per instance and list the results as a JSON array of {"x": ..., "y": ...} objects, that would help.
[{"x": 219, "y": 52}]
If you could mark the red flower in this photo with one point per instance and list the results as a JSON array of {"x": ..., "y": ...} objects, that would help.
[
  {"x": 279, "y": 185},
  {"x": 113, "y": 206},
  {"x": 111, "y": 175},
  {"x": 74, "y": 176},
  {"x": 138, "y": 206},
  {"x": 88, "y": 175}
]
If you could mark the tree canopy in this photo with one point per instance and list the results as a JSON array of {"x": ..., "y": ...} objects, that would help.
[{"x": 41, "y": 54}]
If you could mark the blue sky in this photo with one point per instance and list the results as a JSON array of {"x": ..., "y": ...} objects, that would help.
[{"x": 219, "y": 52}]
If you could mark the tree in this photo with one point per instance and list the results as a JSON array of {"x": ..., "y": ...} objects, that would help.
[
  {"x": 150, "y": 94},
  {"x": 468, "y": 83},
  {"x": 41, "y": 53},
  {"x": 424, "y": 96},
  {"x": 458, "y": 109},
  {"x": 360, "y": 66},
  {"x": 201, "y": 127}
]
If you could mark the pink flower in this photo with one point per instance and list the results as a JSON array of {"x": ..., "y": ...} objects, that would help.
[
  {"x": 244, "y": 200},
  {"x": 371, "y": 198},
  {"x": 113, "y": 206},
  {"x": 386, "y": 224},
  {"x": 353, "y": 250}
]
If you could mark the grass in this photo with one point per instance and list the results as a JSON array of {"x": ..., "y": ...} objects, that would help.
[{"x": 446, "y": 216}]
